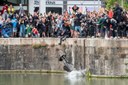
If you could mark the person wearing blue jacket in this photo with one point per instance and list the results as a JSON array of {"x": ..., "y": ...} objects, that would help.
[{"x": 14, "y": 25}]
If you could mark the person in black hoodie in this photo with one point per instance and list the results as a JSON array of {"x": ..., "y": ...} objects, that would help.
[
  {"x": 106, "y": 27},
  {"x": 117, "y": 12},
  {"x": 41, "y": 27},
  {"x": 48, "y": 24},
  {"x": 75, "y": 8},
  {"x": 77, "y": 23}
]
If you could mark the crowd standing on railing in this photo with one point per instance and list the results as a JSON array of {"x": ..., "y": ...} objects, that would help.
[{"x": 111, "y": 23}]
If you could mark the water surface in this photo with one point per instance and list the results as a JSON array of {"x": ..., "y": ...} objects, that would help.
[{"x": 55, "y": 79}]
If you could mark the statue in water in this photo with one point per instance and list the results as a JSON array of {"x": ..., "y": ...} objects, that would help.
[
  {"x": 70, "y": 68},
  {"x": 67, "y": 66}
]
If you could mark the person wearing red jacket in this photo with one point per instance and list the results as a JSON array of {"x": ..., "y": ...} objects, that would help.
[
  {"x": 110, "y": 13},
  {"x": 35, "y": 32},
  {"x": 5, "y": 7}
]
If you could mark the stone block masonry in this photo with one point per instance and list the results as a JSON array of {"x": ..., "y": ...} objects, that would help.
[{"x": 99, "y": 56}]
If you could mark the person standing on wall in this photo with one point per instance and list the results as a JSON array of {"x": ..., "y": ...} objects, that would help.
[
  {"x": 14, "y": 22},
  {"x": 5, "y": 15},
  {"x": 11, "y": 11},
  {"x": 77, "y": 24},
  {"x": 75, "y": 8},
  {"x": 5, "y": 7},
  {"x": 118, "y": 17},
  {"x": 22, "y": 27},
  {"x": 21, "y": 11}
]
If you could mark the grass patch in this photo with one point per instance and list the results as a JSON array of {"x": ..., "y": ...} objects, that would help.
[{"x": 88, "y": 74}]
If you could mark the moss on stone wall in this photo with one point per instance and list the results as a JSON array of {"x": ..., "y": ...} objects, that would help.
[{"x": 37, "y": 46}]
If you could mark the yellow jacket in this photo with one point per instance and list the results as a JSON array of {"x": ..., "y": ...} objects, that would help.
[{"x": 11, "y": 10}]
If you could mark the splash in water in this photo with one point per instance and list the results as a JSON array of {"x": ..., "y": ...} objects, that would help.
[
  {"x": 76, "y": 74},
  {"x": 71, "y": 73}
]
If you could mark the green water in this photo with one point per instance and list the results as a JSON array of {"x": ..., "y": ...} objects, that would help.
[{"x": 54, "y": 79}]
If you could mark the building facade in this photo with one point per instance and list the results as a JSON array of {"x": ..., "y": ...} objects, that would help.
[
  {"x": 15, "y": 4},
  {"x": 58, "y": 6}
]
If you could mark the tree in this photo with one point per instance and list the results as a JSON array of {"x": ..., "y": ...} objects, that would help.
[
  {"x": 126, "y": 4},
  {"x": 110, "y": 3}
]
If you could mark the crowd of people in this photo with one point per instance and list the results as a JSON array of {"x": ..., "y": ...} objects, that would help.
[{"x": 111, "y": 23}]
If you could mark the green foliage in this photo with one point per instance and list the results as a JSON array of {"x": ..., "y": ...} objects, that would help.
[
  {"x": 88, "y": 74},
  {"x": 36, "y": 46},
  {"x": 126, "y": 5},
  {"x": 110, "y": 3}
]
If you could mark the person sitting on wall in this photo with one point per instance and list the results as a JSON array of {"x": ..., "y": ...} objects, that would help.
[{"x": 75, "y": 8}]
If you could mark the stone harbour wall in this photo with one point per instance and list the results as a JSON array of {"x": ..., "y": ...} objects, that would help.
[{"x": 99, "y": 56}]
